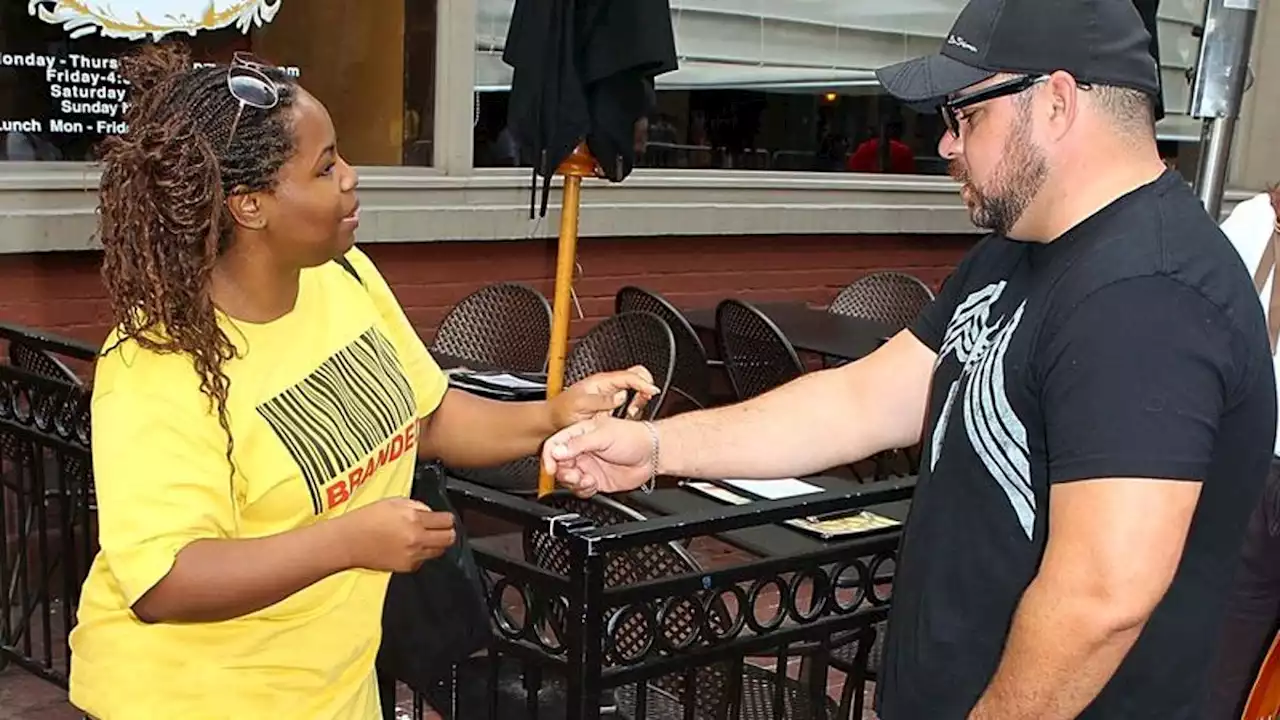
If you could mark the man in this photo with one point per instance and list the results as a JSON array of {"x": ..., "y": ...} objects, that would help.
[
  {"x": 1093, "y": 388},
  {"x": 1254, "y": 607}
]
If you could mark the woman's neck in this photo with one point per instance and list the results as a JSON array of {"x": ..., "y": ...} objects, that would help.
[{"x": 253, "y": 289}]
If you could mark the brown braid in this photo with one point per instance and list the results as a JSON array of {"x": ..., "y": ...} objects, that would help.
[{"x": 163, "y": 219}]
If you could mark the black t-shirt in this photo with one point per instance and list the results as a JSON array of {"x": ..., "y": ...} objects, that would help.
[{"x": 1132, "y": 346}]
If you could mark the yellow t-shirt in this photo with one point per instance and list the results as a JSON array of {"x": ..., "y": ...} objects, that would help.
[{"x": 323, "y": 405}]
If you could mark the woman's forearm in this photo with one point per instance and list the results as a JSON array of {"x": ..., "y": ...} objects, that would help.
[
  {"x": 467, "y": 431},
  {"x": 213, "y": 580}
]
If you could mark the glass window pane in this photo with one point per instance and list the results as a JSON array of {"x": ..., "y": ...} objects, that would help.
[
  {"x": 753, "y": 130},
  {"x": 790, "y": 85},
  {"x": 371, "y": 63}
]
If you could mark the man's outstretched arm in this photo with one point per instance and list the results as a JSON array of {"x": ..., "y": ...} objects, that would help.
[{"x": 821, "y": 420}]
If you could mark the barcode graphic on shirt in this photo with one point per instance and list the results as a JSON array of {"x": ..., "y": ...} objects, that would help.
[{"x": 341, "y": 412}]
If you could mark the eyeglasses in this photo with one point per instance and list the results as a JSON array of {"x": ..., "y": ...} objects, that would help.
[
  {"x": 250, "y": 85},
  {"x": 1009, "y": 87}
]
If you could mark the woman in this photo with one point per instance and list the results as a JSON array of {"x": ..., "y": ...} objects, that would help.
[{"x": 258, "y": 412}]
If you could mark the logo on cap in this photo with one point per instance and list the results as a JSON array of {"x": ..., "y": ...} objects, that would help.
[
  {"x": 141, "y": 19},
  {"x": 957, "y": 41}
]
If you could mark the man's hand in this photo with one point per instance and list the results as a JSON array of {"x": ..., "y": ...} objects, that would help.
[
  {"x": 602, "y": 455},
  {"x": 600, "y": 394}
]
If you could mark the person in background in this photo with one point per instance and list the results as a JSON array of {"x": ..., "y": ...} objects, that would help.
[
  {"x": 258, "y": 413},
  {"x": 662, "y": 136},
  {"x": 640, "y": 129},
  {"x": 867, "y": 157},
  {"x": 1093, "y": 388},
  {"x": 1254, "y": 609}
]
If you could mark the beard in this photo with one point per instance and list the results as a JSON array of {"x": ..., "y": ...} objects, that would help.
[{"x": 1015, "y": 182}]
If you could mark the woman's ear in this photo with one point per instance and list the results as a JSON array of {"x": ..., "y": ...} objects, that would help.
[{"x": 248, "y": 210}]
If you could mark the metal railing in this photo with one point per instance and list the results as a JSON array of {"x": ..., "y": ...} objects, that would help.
[
  {"x": 600, "y": 656},
  {"x": 571, "y": 641},
  {"x": 47, "y": 516}
]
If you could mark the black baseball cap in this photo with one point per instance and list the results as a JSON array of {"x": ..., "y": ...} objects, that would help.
[{"x": 1102, "y": 42}]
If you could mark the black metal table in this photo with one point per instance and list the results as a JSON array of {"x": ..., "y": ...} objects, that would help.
[
  {"x": 811, "y": 329},
  {"x": 767, "y": 540}
]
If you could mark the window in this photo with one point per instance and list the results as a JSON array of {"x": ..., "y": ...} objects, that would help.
[
  {"x": 371, "y": 63},
  {"x": 789, "y": 85},
  {"x": 758, "y": 130}
]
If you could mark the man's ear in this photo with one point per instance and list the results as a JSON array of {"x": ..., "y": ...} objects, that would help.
[
  {"x": 1063, "y": 95},
  {"x": 248, "y": 209}
]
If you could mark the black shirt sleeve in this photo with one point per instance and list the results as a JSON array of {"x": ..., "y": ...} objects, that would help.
[{"x": 1133, "y": 382}]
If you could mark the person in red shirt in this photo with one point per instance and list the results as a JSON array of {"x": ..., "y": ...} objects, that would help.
[{"x": 866, "y": 158}]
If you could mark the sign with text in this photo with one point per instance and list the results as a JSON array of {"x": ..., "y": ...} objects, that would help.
[
  {"x": 79, "y": 86},
  {"x": 62, "y": 73}
]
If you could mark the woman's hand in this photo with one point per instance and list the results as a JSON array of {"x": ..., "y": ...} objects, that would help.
[
  {"x": 600, "y": 394},
  {"x": 512, "y": 430},
  {"x": 396, "y": 534},
  {"x": 219, "y": 579}
]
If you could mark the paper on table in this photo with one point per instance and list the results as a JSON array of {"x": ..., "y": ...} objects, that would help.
[
  {"x": 715, "y": 491},
  {"x": 855, "y": 523},
  {"x": 507, "y": 380},
  {"x": 774, "y": 489}
]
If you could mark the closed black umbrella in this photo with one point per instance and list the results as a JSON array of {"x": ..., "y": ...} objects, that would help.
[
  {"x": 582, "y": 72},
  {"x": 583, "y": 78}
]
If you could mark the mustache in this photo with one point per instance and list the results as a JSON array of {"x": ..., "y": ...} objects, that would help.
[{"x": 958, "y": 172}]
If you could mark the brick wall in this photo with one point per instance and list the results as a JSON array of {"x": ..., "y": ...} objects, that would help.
[{"x": 61, "y": 292}]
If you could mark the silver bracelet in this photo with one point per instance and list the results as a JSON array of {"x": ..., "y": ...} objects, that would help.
[{"x": 653, "y": 458}]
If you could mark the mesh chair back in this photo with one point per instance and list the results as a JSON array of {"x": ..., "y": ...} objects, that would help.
[
  {"x": 756, "y": 355},
  {"x": 615, "y": 343},
  {"x": 892, "y": 298},
  {"x": 692, "y": 377},
  {"x": 505, "y": 326},
  {"x": 629, "y": 638},
  {"x": 622, "y": 341}
]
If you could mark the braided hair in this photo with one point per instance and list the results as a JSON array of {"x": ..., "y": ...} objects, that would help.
[{"x": 163, "y": 218}]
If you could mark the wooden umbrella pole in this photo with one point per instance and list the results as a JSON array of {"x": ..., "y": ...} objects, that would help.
[{"x": 578, "y": 165}]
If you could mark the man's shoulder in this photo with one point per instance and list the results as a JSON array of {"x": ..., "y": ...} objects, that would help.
[
  {"x": 1172, "y": 237},
  {"x": 1197, "y": 252},
  {"x": 1170, "y": 249}
]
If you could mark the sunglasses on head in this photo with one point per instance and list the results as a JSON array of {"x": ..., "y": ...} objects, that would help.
[
  {"x": 250, "y": 85},
  {"x": 948, "y": 109}
]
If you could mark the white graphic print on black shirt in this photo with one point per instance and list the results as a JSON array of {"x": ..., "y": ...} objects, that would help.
[{"x": 998, "y": 437}]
